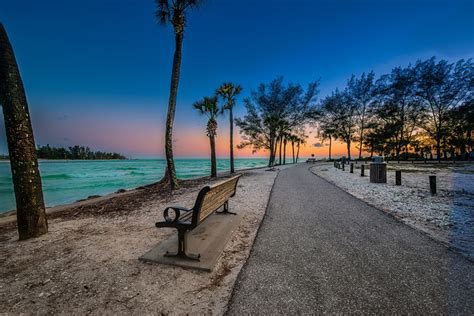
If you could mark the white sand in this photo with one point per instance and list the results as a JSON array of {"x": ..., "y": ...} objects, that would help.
[{"x": 90, "y": 264}]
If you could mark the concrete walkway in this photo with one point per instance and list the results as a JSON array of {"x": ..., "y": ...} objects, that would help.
[{"x": 320, "y": 250}]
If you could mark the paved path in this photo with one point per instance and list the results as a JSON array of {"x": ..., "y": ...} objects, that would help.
[{"x": 320, "y": 250}]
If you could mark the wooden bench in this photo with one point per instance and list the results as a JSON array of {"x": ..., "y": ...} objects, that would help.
[
  {"x": 208, "y": 201},
  {"x": 311, "y": 160}
]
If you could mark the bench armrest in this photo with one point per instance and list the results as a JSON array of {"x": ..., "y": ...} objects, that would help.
[{"x": 177, "y": 212}]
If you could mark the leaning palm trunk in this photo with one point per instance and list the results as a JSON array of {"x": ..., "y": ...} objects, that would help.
[
  {"x": 30, "y": 210},
  {"x": 170, "y": 175}
]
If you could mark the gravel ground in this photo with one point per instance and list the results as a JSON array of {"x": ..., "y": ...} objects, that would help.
[
  {"x": 320, "y": 250},
  {"x": 88, "y": 262},
  {"x": 447, "y": 216}
]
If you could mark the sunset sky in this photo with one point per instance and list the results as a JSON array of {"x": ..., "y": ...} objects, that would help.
[{"x": 97, "y": 72}]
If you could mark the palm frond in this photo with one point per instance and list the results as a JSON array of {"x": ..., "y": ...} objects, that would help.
[
  {"x": 162, "y": 13},
  {"x": 208, "y": 106}
]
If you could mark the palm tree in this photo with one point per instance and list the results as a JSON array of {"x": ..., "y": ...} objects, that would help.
[
  {"x": 228, "y": 91},
  {"x": 208, "y": 107},
  {"x": 285, "y": 141},
  {"x": 30, "y": 211},
  {"x": 173, "y": 12},
  {"x": 327, "y": 136},
  {"x": 301, "y": 140},
  {"x": 292, "y": 139}
]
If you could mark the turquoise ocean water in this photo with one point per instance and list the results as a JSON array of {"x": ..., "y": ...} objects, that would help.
[{"x": 68, "y": 181}]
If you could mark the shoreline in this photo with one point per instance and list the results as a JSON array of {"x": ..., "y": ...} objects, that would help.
[
  {"x": 9, "y": 217},
  {"x": 89, "y": 257}
]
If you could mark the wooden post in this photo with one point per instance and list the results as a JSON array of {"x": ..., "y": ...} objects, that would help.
[
  {"x": 398, "y": 177},
  {"x": 362, "y": 170},
  {"x": 433, "y": 185},
  {"x": 352, "y": 168}
]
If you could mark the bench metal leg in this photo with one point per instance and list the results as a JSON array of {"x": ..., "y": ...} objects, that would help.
[
  {"x": 226, "y": 209},
  {"x": 182, "y": 248}
]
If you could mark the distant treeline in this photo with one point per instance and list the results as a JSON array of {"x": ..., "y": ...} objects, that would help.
[
  {"x": 75, "y": 152},
  {"x": 412, "y": 111},
  {"x": 3, "y": 157}
]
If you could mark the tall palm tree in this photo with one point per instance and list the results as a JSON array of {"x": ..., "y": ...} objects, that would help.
[
  {"x": 228, "y": 92},
  {"x": 292, "y": 139},
  {"x": 301, "y": 140},
  {"x": 173, "y": 12},
  {"x": 30, "y": 211},
  {"x": 327, "y": 136},
  {"x": 208, "y": 107}
]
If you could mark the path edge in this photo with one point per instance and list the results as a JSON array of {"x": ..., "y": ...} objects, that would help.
[
  {"x": 398, "y": 219},
  {"x": 244, "y": 266}
]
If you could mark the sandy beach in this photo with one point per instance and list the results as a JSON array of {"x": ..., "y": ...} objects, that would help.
[{"x": 88, "y": 261}]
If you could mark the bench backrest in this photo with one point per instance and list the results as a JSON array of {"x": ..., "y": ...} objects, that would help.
[{"x": 210, "y": 198}]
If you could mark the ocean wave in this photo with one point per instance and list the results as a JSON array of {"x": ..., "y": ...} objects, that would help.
[
  {"x": 60, "y": 176},
  {"x": 135, "y": 173},
  {"x": 127, "y": 168},
  {"x": 6, "y": 190}
]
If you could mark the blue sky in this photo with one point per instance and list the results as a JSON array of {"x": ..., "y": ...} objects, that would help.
[{"x": 97, "y": 72}]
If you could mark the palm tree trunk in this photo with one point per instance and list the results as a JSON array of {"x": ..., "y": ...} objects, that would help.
[
  {"x": 170, "y": 175},
  {"x": 231, "y": 119},
  {"x": 361, "y": 141},
  {"x": 284, "y": 151},
  {"x": 349, "y": 150},
  {"x": 330, "y": 145},
  {"x": 30, "y": 210},
  {"x": 271, "y": 160},
  {"x": 213, "y": 157},
  {"x": 281, "y": 140},
  {"x": 293, "y": 150},
  {"x": 297, "y": 152},
  {"x": 438, "y": 143}
]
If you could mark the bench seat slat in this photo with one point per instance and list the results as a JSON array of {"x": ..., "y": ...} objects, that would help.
[{"x": 216, "y": 197}]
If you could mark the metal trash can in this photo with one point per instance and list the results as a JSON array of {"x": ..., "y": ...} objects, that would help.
[{"x": 378, "y": 170}]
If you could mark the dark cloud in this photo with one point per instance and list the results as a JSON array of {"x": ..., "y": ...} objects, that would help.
[{"x": 318, "y": 145}]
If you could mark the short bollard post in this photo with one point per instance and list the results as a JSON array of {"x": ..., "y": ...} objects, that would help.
[
  {"x": 352, "y": 168},
  {"x": 362, "y": 170},
  {"x": 334, "y": 164},
  {"x": 398, "y": 177},
  {"x": 343, "y": 167},
  {"x": 433, "y": 185}
]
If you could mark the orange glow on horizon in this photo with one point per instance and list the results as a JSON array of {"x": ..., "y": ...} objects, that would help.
[{"x": 198, "y": 146}]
